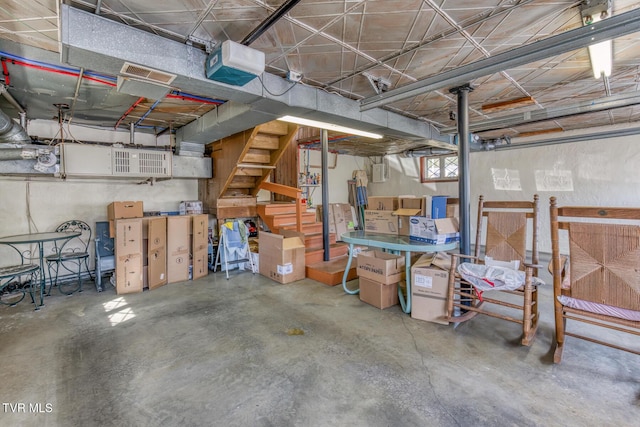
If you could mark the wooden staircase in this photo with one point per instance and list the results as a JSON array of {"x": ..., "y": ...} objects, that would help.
[
  {"x": 241, "y": 164},
  {"x": 282, "y": 216}
]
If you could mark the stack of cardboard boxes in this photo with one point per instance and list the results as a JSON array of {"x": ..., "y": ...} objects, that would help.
[
  {"x": 427, "y": 219},
  {"x": 429, "y": 285},
  {"x": 125, "y": 225},
  {"x": 154, "y": 251},
  {"x": 422, "y": 219},
  {"x": 379, "y": 274}
]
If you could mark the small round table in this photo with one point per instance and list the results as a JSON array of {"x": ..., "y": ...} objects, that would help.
[{"x": 39, "y": 239}]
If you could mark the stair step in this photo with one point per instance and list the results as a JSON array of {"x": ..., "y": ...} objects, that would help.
[
  {"x": 316, "y": 255},
  {"x": 242, "y": 181},
  {"x": 254, "y": 155},
  {"x": 274, "y": 128},
  {"x": 289, "y": 219},
  {"x": 331, "y": 272},
  {"x": 236, "y": 193},
  {"x": 312, "y": 227},
  {"x": 265, "y": 209},
  {"x": 316, "y": 240},
  {"x": 242, "y": 171},
  {"x": 266, "y": 141}
]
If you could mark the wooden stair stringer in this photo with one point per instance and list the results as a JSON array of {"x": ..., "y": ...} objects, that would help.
[
  {"x": 238, "y": 159},
  {"x": 284, "y": 141}
]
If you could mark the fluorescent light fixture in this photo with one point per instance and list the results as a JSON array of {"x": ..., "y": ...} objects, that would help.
[
  {"x": 329, "y": 126},
  {"x": 600, "y": 54},
  {"x": 601, "y": 58}
]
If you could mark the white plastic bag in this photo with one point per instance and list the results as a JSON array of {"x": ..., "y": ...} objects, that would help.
[{"x": 491, "y": 277}]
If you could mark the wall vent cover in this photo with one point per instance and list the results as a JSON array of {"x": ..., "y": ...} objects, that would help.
[{"x": 147, "y": 73}]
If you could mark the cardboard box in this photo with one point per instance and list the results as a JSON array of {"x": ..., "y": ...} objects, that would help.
[
  {"x": 129, "y": 274},
  {"x": 438, "y": 207},
  {"x": 154, "y": 255},
  {"x": 382, "y": 203},
  {"x": 349, "y": 216},
  {"x": 118, "y": 210},
  {"x": 282, "y": 256},
  {"x": 412, "y": 202},
  {"x": 433, "y": 231},
  {"x": 178, "y": 267},
  {"x": 404, "y": 219},
  {"x": 128, "y": 237},
  {"x": 383, "y": 222},
  {"x": 200, "y": 266},
  {"x": 453, "y": 210},
  {"x": 381, "y": 267},
  {"x": 378, "y": 294},
  {"x": 199, "y": 233},
  {"x": 155, "y": 232},
  {"x": 156, "y": 267},
  {"x": 319, "y": 217},
  {"x": 429, "y": 287},
  {"x": 339, "y": 219},
  {"x": 178, "y": 245}
]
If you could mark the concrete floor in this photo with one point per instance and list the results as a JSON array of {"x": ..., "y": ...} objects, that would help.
[{"x": 224, "y": 353}]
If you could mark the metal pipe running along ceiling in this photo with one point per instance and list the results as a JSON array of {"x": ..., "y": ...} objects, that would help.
[{"x": 608, "y": 29}]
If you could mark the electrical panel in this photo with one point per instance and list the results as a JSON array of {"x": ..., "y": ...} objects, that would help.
[{"x": 379, "y": 172}]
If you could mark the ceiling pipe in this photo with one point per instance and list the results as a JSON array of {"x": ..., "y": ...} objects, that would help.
[
  {"x": 5, "y": 93},
  {"x": 422, "y": 152},
  {"x": 606, "y": 103},
  {"x": 12, "y": 132},
  {"x": 269, "y": 21}
]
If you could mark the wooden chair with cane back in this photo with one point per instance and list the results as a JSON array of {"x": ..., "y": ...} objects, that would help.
[
  {"x": 506, "y": 231},
  {"x": 595, "y": 265}
]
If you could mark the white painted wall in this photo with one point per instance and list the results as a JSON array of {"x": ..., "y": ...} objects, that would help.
[
  {"x": 40, "y": 205},
  {"x": 590, "y": 173},
  {"x": 338, "y": 175}
]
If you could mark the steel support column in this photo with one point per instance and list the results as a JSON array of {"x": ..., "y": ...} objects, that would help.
[
  {"x": 464, "y": 182},
  {"x": 324, "y": 138}
]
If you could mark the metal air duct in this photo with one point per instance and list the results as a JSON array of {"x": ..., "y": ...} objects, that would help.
[{"x": 11, "y": 132}]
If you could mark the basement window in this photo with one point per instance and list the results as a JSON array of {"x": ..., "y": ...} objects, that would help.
[{"x": 438, "y": 168}]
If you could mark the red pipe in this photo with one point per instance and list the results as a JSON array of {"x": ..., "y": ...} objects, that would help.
[
  {"x": 135, "y": 104},
  {"x": 7, "y": 78},
  {"x": 69, "y": 73}
]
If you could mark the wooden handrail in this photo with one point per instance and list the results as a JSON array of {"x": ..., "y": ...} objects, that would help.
[{"x": 285, "y": 190}]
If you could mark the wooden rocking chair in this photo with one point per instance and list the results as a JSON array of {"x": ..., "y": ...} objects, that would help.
[
  {"x": 595, "y": 278},
  {"x": 505, "y": 240}
]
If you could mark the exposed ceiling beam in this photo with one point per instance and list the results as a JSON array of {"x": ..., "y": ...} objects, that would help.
[
  {"x": 269, "y": 21},
  {"x": 103, "y": 45},
  {"x": 584, "y": 107},
  {"x": 616, "y": 26},
  {"x": 581, "y": 135}
]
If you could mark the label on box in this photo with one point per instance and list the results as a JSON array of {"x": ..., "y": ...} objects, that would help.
[
  {"x": 423, "y": 281},
  {"x": 285, "y": 269}
]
